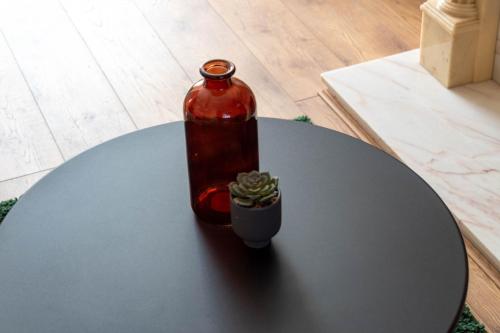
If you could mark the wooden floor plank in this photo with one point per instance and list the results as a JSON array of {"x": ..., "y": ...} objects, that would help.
[
  {"x": 195, "y": 33},
  {"x": 76, "y": 99},
  {"x": 357, "y": 31},
  {"x": 145, "y": 75},
  {"x": 322, "y": 115},
  {"x": 281, "y": 42},
  {"x": 26, "y": 144},
  {"x": 13, "y": 188},
  {"x": 483, "y": 295}
]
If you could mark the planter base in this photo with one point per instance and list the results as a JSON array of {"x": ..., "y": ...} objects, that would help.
[
  {"x": 257, "y": 245},
  {"x": 256, "y": 226}
]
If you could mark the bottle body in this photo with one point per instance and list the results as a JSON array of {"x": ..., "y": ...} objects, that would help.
[{"x": 221, "y": 139}]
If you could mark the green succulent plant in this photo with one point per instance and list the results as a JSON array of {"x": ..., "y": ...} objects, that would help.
[{"x": 254, "y": 189}]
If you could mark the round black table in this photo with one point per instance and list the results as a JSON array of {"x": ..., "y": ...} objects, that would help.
[{"x": 107, "y": 242}]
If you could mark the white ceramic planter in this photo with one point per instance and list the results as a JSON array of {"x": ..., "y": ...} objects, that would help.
[{"x": 256, "y": 226}]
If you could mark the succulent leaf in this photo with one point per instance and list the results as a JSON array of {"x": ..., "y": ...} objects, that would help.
[
  {"x": 240, "y": 177},
  {"x": 235, "y": 190},
  {"x": 244, "y": 202},
  {"x": 254, "y": 189},
  {"x": 268, "y": 198}
]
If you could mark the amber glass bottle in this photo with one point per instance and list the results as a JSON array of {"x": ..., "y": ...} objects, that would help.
[{"x": 221, "y": 138}]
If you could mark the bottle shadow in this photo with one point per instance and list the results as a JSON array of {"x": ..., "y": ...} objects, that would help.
[{"x": 258, "y": 288}]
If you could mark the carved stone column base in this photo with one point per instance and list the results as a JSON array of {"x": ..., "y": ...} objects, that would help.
[
  {"x": 458, "y": 39},
  {"x": 457, "y": 9},
  {"x": 448, "y": 45}
]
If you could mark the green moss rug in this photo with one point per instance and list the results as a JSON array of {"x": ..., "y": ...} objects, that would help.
[
  {"x": 5, "y": 206},
  {"x": 466, "y": 324}
]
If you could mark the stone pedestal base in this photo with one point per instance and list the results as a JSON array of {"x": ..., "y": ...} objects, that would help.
[{"x": 458, "y": 40}]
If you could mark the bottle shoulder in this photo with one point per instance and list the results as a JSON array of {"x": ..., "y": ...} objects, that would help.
[{"x": 234, "y": 100}]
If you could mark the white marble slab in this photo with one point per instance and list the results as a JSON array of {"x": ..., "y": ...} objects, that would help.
[{"x": 451, "y": 138}]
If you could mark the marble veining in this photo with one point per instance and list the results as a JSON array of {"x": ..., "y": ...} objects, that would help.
[{"x": 450, "y": 137}]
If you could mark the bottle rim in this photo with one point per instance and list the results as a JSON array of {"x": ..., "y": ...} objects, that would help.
[{"x": 217, "y": 69}]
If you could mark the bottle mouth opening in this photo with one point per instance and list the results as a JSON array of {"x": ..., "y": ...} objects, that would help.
[{"x": 217, "y": 69}]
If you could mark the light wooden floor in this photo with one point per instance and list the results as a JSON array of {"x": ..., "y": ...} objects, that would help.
[{"x": 75, "y": 73}]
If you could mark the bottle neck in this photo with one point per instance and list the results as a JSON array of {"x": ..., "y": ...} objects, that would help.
[
  {"x": 217, "y": 84},
  {"x": 217, "y": 74}
]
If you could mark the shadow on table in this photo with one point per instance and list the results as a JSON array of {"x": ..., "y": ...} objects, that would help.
[{"x": 259, "y": 284}]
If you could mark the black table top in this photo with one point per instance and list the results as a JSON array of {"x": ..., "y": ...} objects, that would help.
[{"x": 108, "y": 243}]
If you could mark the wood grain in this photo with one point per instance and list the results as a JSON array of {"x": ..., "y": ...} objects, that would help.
[
  {"x": 281, "y": 42},
  {"x": 194, "y": 33},
  {"x": 147, "y": 78},
  {"x": 70, "y": 54},
  {"x": 26, "y": 144},
  {"x": 357, "y": 31},
  {"x": 14, "y": 188},
  {"x": 484, "y": 294},
  {"x": 321, "y": 115},
  {"x": 74, "y": 96}
]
